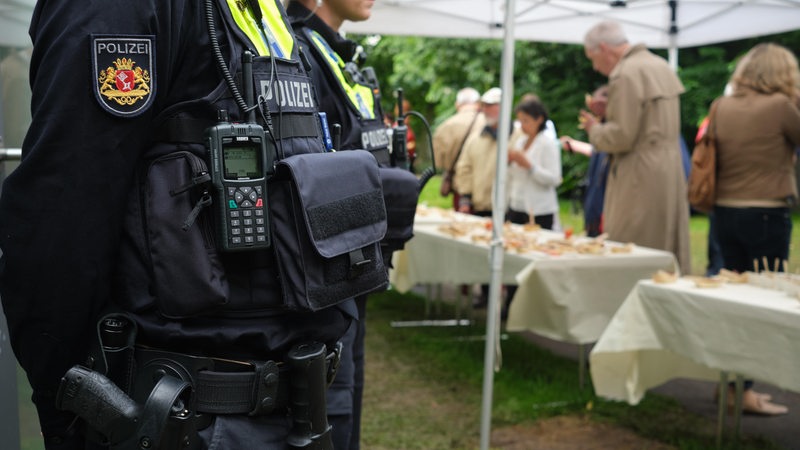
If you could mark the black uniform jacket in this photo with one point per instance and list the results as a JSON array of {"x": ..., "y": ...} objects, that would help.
[{"x": 62, "y": 210}]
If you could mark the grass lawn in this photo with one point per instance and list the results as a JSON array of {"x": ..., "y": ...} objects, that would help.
[{"x": 434, "y": 402}]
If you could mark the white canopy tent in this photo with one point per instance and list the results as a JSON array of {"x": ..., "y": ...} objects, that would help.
[
  {"x": 669, "y": 24},
  {"x": 697, "y": 22},
  {"x": 657, "y": 23}
]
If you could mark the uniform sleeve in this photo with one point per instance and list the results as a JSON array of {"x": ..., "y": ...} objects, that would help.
[
  {"x": 61, "y": 210},
  {"x": 624, "y": 115}
]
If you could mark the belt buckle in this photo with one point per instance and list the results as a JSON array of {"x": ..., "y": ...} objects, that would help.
[{"x": 265, "y": 397}]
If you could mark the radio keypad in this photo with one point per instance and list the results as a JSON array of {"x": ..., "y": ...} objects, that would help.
[{"x": 246, "y": 215}]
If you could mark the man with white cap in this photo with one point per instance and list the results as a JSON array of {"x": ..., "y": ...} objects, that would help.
[{"x": 476, "y": 167}]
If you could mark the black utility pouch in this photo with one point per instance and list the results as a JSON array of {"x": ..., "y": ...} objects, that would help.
[
  {"x": 400, "y": 193},
  {"x": 328, "y": 217},
  {"x": 189, "y": 277}
]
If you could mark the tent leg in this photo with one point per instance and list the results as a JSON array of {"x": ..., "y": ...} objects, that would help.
[{"x": 721, "y": 406}]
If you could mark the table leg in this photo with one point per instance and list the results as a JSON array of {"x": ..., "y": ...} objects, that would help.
[
  {"x": 431, "y": 298},
  {"x": 581, "y": 365},
  {"x": 737, "y": 418},
  {"x": 722, "y": 404},
  {"x": 468, "y": 303},
  {"x": 434, "y": 293},
  {"x": 428, "y": 302},
  {"x": 439, "y": 299},
  {"x": 458, "y": 303}
]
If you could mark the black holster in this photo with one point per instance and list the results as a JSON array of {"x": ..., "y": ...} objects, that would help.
[
  {"x": 310, "y": 429},
  {"x": 162, "y": 422}
]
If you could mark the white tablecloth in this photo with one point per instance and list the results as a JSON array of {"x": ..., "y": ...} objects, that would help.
[
  {"x": 568, "y": 297},
  {"x": 665, "y": 331}
]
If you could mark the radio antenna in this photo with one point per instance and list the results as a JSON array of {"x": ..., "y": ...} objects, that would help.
[{"x": 247, "y": 82}]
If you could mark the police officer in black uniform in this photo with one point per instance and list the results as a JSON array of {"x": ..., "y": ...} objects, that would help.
[
  {"x": 350, "y": 97},
  {"x": 106, "y": 227}
]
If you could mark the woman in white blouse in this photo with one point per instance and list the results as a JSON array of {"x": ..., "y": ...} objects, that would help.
[
  {"x": 534, "y": 170},
  {"x": 534, "y": 173}
]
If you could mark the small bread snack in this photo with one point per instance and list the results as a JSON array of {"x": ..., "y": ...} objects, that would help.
[
  {"x": 514, "y": 244},
  {"x": 627, "y": 248},
  {"x": 732, "y": 277},
  {"x": 705, "y": 282},
  {"x": 531, "y": 227},
  {"x": 591, "y": 248},
  {"x": 481, "y": 238},
  {"x": 455, "y": 229},
  {"x": 664, "y": 277}
]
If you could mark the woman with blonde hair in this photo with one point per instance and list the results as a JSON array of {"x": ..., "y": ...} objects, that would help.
[
  {"x": 774, "y": 70},
  {"x": 758, "y": 129}
]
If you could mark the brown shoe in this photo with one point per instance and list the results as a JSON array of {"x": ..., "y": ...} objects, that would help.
[
  {"x": 762, "y": 395},
  {"x": 732, "y": 392},
  {"x": 753, "y": 403}
]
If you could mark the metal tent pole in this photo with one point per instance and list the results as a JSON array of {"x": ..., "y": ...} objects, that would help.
[{"x": 491, "y": 359}]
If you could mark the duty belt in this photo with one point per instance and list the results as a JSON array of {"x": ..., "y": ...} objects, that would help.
[{"x": 223, "y": 386}]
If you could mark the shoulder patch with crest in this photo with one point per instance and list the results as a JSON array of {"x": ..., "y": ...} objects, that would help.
[{"x": 124, "y": 73}]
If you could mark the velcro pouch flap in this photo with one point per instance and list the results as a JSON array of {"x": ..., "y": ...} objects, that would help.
[
  {"x": 342, "y": 213},
  {"x": 328, "y": 219}
]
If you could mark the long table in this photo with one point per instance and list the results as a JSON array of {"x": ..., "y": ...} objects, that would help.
[
  {"x": 568, "y": 297},
  {"x": 678, "y": 330}
]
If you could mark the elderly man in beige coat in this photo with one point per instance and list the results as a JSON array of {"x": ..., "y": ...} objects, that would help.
[
  {"x": 452, "y": 133},
  {"x": 645, "y": 200}
]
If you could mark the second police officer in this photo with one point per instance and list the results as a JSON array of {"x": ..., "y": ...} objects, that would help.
[
  {"x": 124, "y": 255},
  {"x": 350, "y": 97}
]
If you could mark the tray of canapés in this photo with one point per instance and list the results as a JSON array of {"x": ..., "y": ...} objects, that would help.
[
  {"x": 530, "y": 238},
  {"x": 724, "y": 276},
  {"x": 433, "y": 214},
  {"x": 769, "y": 279}
]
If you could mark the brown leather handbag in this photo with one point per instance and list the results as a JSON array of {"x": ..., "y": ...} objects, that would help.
[{"x": 702, "y": 184}]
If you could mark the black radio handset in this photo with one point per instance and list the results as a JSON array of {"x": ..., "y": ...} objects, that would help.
[
  {"x": 399, "y": 157},
  {"x": 241, "y": 161}
]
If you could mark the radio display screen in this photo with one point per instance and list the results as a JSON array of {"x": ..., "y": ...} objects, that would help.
[{"x": 242, "y": 162}]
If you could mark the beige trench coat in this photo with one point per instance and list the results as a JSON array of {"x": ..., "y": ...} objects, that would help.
[
  {"x": 645, "y": 201},
  {"x": 475, "y": 170},
  {"x": 450, "y": 135}
]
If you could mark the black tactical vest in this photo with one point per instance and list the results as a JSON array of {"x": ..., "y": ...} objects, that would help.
[{"x": 326, "y": 214}]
